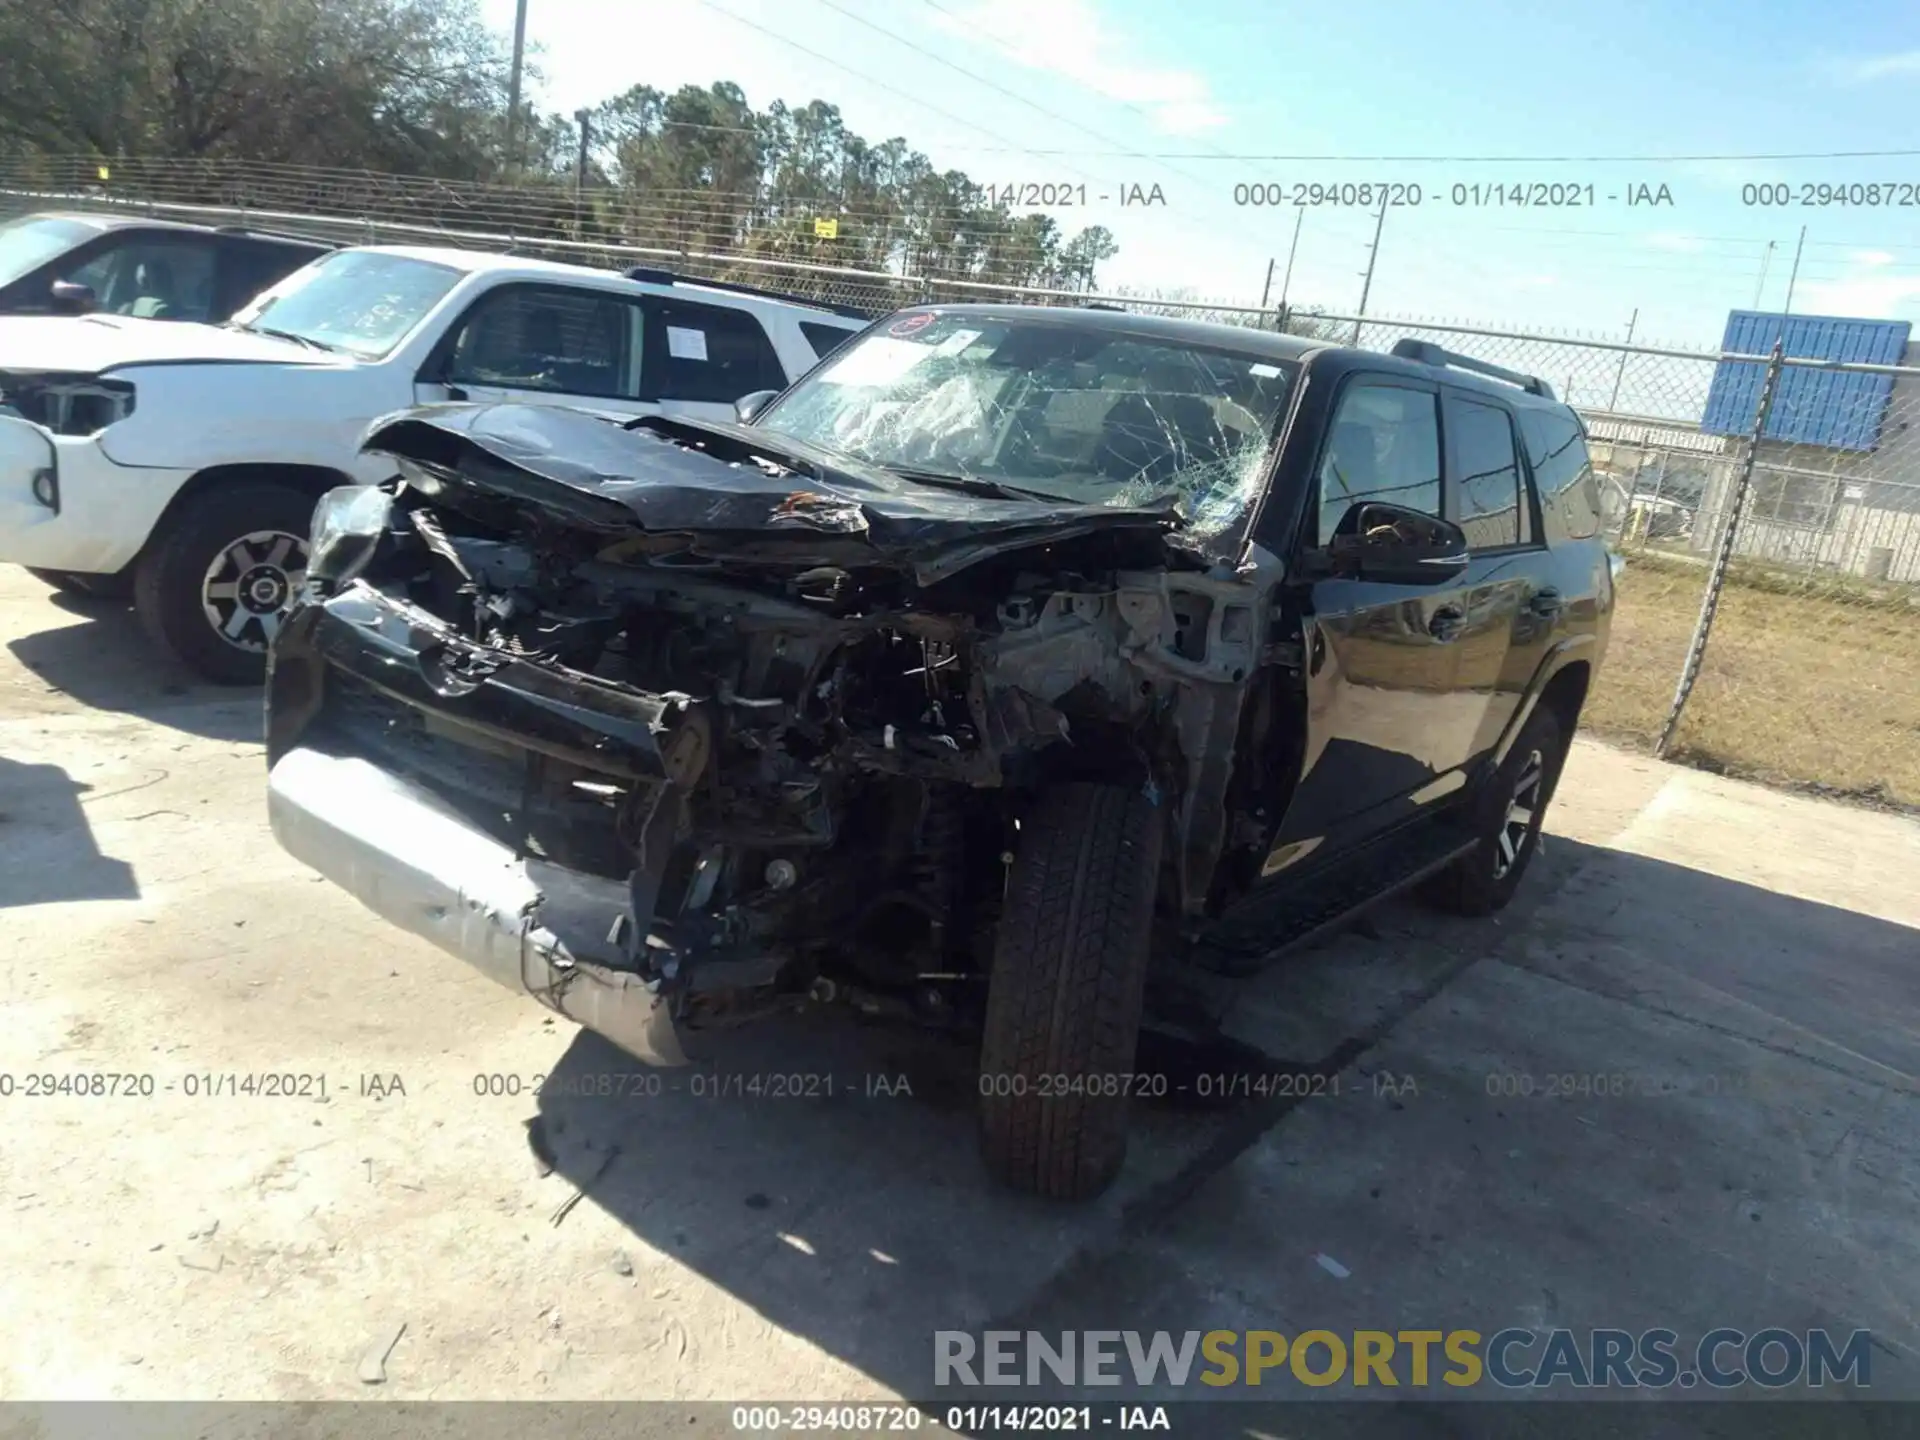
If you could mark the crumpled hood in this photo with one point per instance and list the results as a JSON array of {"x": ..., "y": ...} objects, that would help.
[
  {"x": 680, "y": 476},
  {"x": 95, "y": 344}
]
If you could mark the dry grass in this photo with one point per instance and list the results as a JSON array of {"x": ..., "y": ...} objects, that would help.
[{"x": 1807, "y": 684}]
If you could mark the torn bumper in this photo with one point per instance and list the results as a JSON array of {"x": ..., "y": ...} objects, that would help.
[{"x": 529, "y": 924}]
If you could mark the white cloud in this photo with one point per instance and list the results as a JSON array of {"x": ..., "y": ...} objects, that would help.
[
  {"x": 1867, "y": 297},
  {"x": 1865, "y": 69},
  {"x": 1068, "y": 38},
  {"x": 1871, "y": 257}
]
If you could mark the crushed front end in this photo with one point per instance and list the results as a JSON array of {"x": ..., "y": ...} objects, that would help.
[{"x": 666, "y": 779}]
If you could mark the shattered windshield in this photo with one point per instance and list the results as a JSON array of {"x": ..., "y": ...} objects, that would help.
[{"x": 1091, "y": 415}]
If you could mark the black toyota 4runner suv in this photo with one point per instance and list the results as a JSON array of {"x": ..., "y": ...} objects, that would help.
[{"x": 1008, "y": 655}]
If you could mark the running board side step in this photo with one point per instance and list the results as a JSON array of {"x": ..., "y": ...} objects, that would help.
[{"x": 1272, "y": 921}]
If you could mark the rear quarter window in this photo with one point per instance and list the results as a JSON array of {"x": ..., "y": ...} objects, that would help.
[
  {"x": 1563, "y": 473},
  {"x": 825, "y": 339}
]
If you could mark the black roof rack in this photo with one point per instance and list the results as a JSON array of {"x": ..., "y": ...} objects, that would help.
[
  {"x": 1103, "y": 305},
  {"x": 667, "y": 277},
  {"x": 1428, "y": 353}
]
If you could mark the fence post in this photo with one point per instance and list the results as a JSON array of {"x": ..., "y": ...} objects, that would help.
[{"x": 1716, "y": 578}]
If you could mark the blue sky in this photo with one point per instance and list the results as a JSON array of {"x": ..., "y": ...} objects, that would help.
[{"x": 1109, "y": 86}]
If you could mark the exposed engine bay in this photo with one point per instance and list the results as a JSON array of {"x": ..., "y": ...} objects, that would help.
[{"x": 804, "y": 758}]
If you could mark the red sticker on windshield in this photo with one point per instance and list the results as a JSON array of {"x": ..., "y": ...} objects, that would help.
[{"x": 909, "y": 325}]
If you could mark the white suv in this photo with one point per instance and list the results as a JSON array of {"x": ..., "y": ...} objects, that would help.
[{"x": 180, "y": 463}]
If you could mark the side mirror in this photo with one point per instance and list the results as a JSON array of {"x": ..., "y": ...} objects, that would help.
[
  {"x": 748, "y": 406},
  {"x": 70, "y": 298},
  {"x": 1392, "y": 545}
]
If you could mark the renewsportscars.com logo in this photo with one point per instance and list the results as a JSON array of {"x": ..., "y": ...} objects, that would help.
[{"x": 1511, "y": 1359}]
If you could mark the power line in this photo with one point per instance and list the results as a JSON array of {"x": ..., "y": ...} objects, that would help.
[
  {"x": 1480, "y": 159},
  {"x": 860, "y": 75},
  {"x": 993, "y": 85}
]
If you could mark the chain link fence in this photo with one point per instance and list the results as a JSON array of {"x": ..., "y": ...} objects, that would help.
[{"x": 1768, "y": 620}]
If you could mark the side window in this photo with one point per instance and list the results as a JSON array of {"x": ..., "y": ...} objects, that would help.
[
  {"x": 552, "y": 338},
  {"x": 250, "y": 266},
  {"x": 1563, "y": 472},
  {"x": 708, "y": 353},
  {"x": 825, "y": 339},
  {"x": 1384, "y": 445},
  {"x": 1488, "y": 475},
  {"x": 152, "y": 279}
]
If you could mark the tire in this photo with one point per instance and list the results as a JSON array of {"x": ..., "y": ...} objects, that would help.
[
  {"x": 1485, "y": 878},
  {"x": 1067, "y": 984},
  {"x": 239, "y": 551}
]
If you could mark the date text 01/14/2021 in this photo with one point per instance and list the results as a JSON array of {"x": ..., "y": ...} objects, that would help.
[
  {"x": 962, "y": 1419},
  {"x": 1060, "y": 195},
  {"x": 1207, "y": 1085},
  {"x": 1477, "y": 195},
  {"x": 697, "y": 1084}
]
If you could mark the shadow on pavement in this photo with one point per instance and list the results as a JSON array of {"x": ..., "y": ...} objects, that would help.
[
  {"x": 106, "y": 662},
  {"x": 861, "y": 1222},
  {"x": 50, "y": 851},
  {"x": 1674, "y": 1100}
]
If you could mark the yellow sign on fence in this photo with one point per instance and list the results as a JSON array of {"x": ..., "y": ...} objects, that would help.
[{"x": 827, "y": 229}]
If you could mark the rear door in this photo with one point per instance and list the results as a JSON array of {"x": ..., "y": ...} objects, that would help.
[
  {"x": 700, "y": 358},
  {"x": 1488, "y": 498},
  {"x": 1385, "y": 716}
]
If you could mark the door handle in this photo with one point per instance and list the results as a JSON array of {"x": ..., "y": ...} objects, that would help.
[
  {"x": 1546, "y": 603},
  {"x": 1445, "y": 622}
]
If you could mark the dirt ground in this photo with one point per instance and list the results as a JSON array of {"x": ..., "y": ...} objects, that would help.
[
  {"x": 1751, "y": 957},
  {"x": 1806, "y": 687}
]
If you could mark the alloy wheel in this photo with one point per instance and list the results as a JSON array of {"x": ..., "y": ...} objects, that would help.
[
  {"x": 1516, "y": 827},
  {"x": 249, "y": 585}
]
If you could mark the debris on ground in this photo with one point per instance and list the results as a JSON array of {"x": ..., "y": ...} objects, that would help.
[{"x": 373, "y": 1362}]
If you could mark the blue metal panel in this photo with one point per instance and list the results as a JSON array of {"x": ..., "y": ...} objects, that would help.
[{"x": 1813, "y": 407}]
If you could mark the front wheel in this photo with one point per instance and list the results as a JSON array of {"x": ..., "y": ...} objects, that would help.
[
  {"x": 215, "y": 586},
  {"x": 1066, "y": 990},
  {"x": 1507, "y": 819}
]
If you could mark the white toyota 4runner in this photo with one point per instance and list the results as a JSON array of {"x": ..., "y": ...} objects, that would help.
[{"x": 180, "y": 463}]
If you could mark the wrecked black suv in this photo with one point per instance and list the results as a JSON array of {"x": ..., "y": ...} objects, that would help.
[{"x": 1008, "y": 650}]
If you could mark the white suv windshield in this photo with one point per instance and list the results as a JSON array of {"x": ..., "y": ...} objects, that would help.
[
  {"x": 1089, "y": 413},
  {"x": 29, "y": 243},
  {"x": 358, "y": 301}
]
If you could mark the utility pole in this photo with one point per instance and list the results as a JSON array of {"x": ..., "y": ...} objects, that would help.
[
  {"x": 1286, "y": 282},
  {"x": 1613, "y": 403},
  {"x": 513, "y": 82},
  {"x": 1793, "y": 277},
  {"x": 584, "y": 119},
  {"x": 1267, "y": 289},
  {"x": 1373, "y": 254},
  {"x": 1766, "y": 260}
]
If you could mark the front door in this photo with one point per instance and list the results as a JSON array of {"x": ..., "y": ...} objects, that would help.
[{"x": 1388, "y": 723}]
